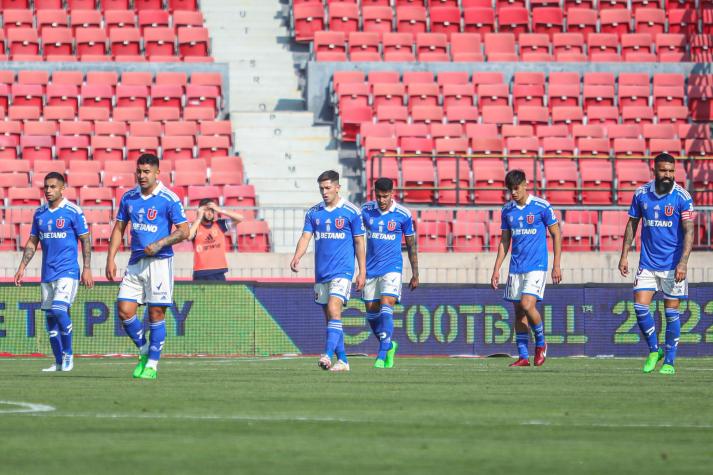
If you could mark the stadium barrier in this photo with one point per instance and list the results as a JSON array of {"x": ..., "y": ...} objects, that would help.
[{"x": 262, "y": 319}]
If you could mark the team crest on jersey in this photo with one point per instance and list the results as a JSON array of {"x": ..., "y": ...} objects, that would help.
[
  {"x": 391, "y": 225},
  {"x": 59, "y": 223},
  {"x": 668, "y": 210},
  {"x": 339, "y": 223},
  {"x": 530, "y": 218},
  {"x": 151, "y": 214}
]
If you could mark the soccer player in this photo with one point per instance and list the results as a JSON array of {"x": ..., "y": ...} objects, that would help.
[
  {"x": 666, "y": 210},
  {"x": 386, "y": 222},
  {"x": 208, "y": 233},
  {"x": 338, "y": 236},
  {"x": 524, "y": 221},
  {"x": 152, "y": 210},
  {"x": 58, "y": 224}
]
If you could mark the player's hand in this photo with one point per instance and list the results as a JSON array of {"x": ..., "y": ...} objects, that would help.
[
  {"x": 87, "y": 279},
  {"x": 110, "y": 271},
  {"x": 18, "y": 277},
  {"x": 624, "y": 266},
  {"x": 413, "y": 283},
  {"x": 556, "y": 275},
  {"x": 152, "y": 249},
  {"x": 360, "y": 281},
  {"x": 681, "y": 271},
  {"x": 200, "y": 213},
  {"x": 214, "y": 207},
  {"x": 495, "y": 280},
  {"x": 294, "y": 265}
]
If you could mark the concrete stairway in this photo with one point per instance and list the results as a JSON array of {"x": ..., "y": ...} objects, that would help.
[{"x": 283, "y": 152}]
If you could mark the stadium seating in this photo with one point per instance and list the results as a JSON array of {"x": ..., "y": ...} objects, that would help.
[
  {"x": 491, "y": 31},
  {"x": 78, "y": 31},
  {"x": 93, "y": 126}
]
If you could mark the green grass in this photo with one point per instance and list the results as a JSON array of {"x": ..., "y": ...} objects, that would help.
[{"x": 424, "y": 416}]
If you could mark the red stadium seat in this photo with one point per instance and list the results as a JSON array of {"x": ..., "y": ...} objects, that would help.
[
  {"x": 445, "y": 19},
  {"x": 239, "y": 195},
  {"x": 343, "y": 16},
  {"x": 253, "y": 236},
  {"x": 479, "y": 20},
  {"x": 578, "y": 237},
  {"x": 466, "y": 47},
  {"x": 307, "y": 18},
  {"x": 631, "y": 174},
  {"x": 160, "y": 41},
  {"x": 535, "y": 47},
  {"x": 107, "y": 148},
  {"x": 468, "y": 236},
  {"x": 398, "y": 46},
  {"x": 432, "y": 47},
  {"x": 582, "y": 20},
  {"x": 489, "y": 181},
  {"x": 125, "y": 41},
  {"x": 548, "y": 20},
  {"x": 72, "y": 148},
  {"x": 596, "y": 181},
  {"x": 149, "y": 19},
  {"x": 682, "y": 21},
  {"x": 377, "y": 18},
  {"x": 51, "y": 18},
  {"x": 615, "y": 20},
  {"x": 23, "y": 41},
  {"x": 650, "y": 20},
  {"x": 193, "y": 42},
  {"x": 422, "y": 94},
  {"x": 515, "y": 20},
  {"x": 411, "y": 19},
  {"x": 364, "y": 46},
  {"x": 91, "y": 41},
  {"x": 500, "y": 47},
  {"x": 432, "y": 236}
]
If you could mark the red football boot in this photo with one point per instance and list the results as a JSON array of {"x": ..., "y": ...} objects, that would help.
[
  {"x": 540, "y": 355},
  {"x": 520, "y": 362}
]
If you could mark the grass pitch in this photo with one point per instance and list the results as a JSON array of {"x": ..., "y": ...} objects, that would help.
[{"x": 424, "y": 416}]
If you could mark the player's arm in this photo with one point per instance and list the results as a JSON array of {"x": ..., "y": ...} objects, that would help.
[
  {"x": 27, "y": 254},
  {"x": 360, "y": 251},
  {"x": 682, "y": 267},
  {"x": 503, "y": 248},
  {"x": 195, "y": 224},
  {"x": 413, "y": 260},
  {"x": 180, "y": 233},
  {"x": 300, "y": 250},
  {"x": 87, "y": 278},
  {"x": 629, "y": 233},
  {"x": 235, "y": 217},
  {"x": 117, "y": 233},
  {"x": 556, "y": 234}
]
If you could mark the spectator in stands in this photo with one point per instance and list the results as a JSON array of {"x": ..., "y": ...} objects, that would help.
[{"x": 209, "y": 240}]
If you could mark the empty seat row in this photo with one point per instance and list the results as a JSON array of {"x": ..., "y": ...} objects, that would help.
[
  {"x": 103, "y": 5},
  {"x": 613, "y": 17},
  {"x": 88, "y": 44},
  {"x": 499, "y": 47}
]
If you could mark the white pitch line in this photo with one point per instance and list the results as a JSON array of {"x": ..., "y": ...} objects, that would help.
[
  {"x": 619, "y": 426},
  {"x": 25, "y": 408},
  {"x": 205, "y": 417}
]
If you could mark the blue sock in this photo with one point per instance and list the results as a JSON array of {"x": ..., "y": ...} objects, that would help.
[
  {"x": 647, "y": 326},
  {"x": 374, "y": 323},
  {"x": 334, "y": 332},
  {"x": 522, "y": 339},
  {"x": 673, "y": 332},
  {"x": 55, "y": 341},
  {"x": 539, "y": 331},
  {"x": 135, "y": 329},
  {"x": 341, "y": 351},
  {"x": 60, "y": 310},
  {"x": 157, "y": 338},
  {"x": 387, "y": 329}
]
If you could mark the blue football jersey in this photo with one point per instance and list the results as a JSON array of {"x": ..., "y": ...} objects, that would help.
[
  {"x": 58, "y": 230},
  {"x": 528, "y": 225},
  {"x": 151, "y": 218},
  {"x": 661, "y": 232},
  {"x": 334, "y": 230},
  {"x": 384, "y": 231}
]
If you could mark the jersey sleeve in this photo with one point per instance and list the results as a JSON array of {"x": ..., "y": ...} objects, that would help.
[
  {"x": 686, "y": 208},
  {"x": 122, "y": 214},
  {"x": 357, "y": 225},
  {"x": 504, "y": 225},
  {"x": 548, "y": 216},
  {"x": 224, "y": 225},
  {"x": 408, "y": 226},
  {"x": 634, "y": 209},
  {"x": 80, "y": 224},
  {"x": 35, "y": 229},
  {"x": 176, "y": 213},
  {"x": 308, "y": 226}
]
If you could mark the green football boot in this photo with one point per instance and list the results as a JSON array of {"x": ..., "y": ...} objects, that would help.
[
  {"x": 651, "y": 360},
  {"x": 379, "y": 364},
  {"x": 389, "y": 361},
  {"x": 149, "y": 373},
  {"x": 140, "y": 366},
  {"x": 667, "y": 369}
]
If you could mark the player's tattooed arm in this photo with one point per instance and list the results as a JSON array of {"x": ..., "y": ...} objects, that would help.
[
  {"x": 87, "y": 279},
  {"x": 629, "y": 233},
  {"x": 179, "y": 234},
  {"x": 28, "y": 253},
  {"x": 682, "y": 267},
  {"x": 413, "y": 259},
  {"x": 503, "y": 248},
  {"x": 556, "y": 234}
]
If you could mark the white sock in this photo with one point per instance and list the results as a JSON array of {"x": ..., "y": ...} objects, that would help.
[{"x": 153, "y": 364}]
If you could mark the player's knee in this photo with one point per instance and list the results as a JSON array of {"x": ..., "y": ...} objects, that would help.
[
  {"x": 157, "y": 314},
  {"x": 373, "y": 307}
]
